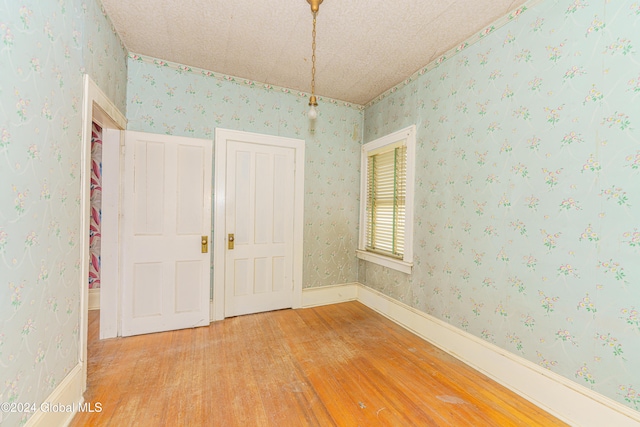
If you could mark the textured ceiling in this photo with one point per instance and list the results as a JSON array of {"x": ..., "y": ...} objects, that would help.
[{"x": 364, "y": 47}]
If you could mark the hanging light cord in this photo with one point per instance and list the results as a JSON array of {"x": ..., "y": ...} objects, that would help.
[{"x": 313, "y": 61}]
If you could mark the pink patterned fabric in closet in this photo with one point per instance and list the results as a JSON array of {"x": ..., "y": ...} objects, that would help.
[{"x": 96, "y": 207}]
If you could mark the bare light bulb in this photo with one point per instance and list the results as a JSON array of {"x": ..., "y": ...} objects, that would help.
[{"x": 313, "y": 113}]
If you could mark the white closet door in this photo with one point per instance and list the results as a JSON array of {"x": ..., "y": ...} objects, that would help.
[
  {"x": 259, "y": 214},
  {"x": 259, "y": 199}
]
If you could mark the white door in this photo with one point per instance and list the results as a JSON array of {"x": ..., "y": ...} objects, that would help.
[
  {"x": 262, "y": 191},
  {"x": 166, "y": 217}
]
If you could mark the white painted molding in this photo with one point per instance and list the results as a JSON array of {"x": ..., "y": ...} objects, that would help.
[
  {"x": 68, "y": 395},
  {"x": 111, "y": 236},
  {"x": 324, "y": 295},
  {"x": 94, "y": 299},
  {"x": 385, "y": 261},
  {"x": 404, "y": 137},
  {"x": 95, "y": 106},
  {"x": 565, "y": 399}
]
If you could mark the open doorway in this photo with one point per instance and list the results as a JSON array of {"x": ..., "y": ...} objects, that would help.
[{"x": 99, "y": 110}]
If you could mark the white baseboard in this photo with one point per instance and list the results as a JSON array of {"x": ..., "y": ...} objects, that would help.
[
  {"x": 565, "y": 399},
  {"x": 62, "y": 404},
  {"x": 94, "y": 299},
  {"x": 312, "y": 297}
]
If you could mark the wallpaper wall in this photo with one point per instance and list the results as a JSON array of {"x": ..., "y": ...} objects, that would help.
[
  {"x": 528, "y": 230},
  {"x": 45, "y": 47},
  {"x": 174, "y": 99},
  {"x": 528, "y": 190}
]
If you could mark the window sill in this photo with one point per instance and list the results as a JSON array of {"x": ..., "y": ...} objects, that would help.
[{"x": 395, "y": 264}]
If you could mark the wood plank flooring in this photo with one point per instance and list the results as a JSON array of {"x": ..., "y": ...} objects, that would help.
[{"x": 336, "y": 365}]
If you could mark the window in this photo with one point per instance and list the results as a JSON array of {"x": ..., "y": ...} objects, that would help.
[{"x": 386, "y": 200}]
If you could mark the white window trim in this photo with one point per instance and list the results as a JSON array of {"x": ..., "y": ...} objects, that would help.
[{"x": 405, "y": 264}]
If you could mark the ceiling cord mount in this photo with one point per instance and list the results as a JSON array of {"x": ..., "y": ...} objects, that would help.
[{"x": 313, "y": 102}]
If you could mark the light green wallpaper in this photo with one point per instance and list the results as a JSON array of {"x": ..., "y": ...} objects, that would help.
[
  {"x": 104, "y": 56},
  {"x": 178, "y": 100},
  {"x": 528, "y": 190},
  {"x": 527, "y": 216},
  {"x": 45, "y": 46}
]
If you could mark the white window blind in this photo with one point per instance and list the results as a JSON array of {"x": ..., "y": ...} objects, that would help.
[{"x": 386, "y": 198}]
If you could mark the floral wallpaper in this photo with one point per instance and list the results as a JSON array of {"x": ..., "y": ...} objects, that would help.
[
  {"x": 96, "y": 207},
  {"x": 104, "y": 56},
  {"x": 45, "y": 47},
  {"x": 528, "y": 190},
  {"x": 174, "y": 99},
  {"x": 527, "y": 224}
]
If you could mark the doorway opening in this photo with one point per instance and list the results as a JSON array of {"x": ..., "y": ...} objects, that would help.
[{"x": 99, "y": 109}]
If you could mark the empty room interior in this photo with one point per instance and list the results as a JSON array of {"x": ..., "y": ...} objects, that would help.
[{"x": 308, "y": 212}]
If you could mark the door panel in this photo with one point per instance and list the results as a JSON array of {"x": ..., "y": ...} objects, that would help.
[
  {"x": 187, "y": 272},
  {"x": 259, "y": 212},
  {"x": 190, "y": 190},
  {"x": 166, "y": 211},
  {"x": 146, "y": 301},
  {"x": 148, "y": 187}
]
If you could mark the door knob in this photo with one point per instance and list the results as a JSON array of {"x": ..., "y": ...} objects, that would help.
[
  {"x": 205, "y": 244},
  {"x": 231, "y": 239}
]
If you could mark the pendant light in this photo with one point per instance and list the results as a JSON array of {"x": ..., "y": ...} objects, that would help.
[{"x": 313, "y": 102}]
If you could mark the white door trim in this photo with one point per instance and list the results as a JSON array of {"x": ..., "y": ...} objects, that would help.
[
  {"x": 110, "y": 246},
  {"x": 219, "y": 225},
  {"x": 95, "y": 106}
]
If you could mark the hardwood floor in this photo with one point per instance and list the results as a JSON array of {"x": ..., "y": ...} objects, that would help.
[{"x": 336, "y": 365}]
